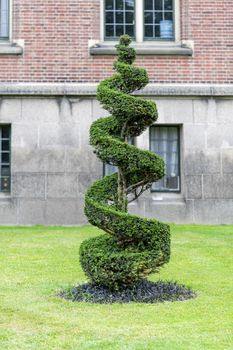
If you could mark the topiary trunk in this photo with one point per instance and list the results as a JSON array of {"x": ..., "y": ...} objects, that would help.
[{"x": 132, "y": 247}]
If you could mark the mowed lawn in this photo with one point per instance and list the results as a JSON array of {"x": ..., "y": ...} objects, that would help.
[{"x": 36, "y": 262}]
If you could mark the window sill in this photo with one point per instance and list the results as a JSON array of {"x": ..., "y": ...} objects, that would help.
[
  {"x": 144, "y": 49},
  {"x": 8, "y": 48}
]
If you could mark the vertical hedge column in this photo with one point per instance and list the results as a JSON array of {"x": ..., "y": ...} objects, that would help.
[{"x": 132, "y": 247}]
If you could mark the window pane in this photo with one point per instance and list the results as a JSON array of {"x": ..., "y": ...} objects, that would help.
[
  {"x": 109, "y": 169},
  {"x": 129, "y": 4},
  {"x": 148, "y": 17},
  {"x": 119, "y": 17},
  {"x": 165, "y": 143},
  {"x": 167, "y": 4},
  {"x": 157, "y": 31},
  {"x": 5, "y": 170},
  {"x": 158, "y": 4},
  {"x": 5, "y": 157},
  {"x": 109, "y": 17},
  {"x": 168, "y": 16},
  {"x": 148, "y": 4},
  {"x": 109, "y": 31},
  {"x": 129, "y": 17},
  {"x": 149, "y": 31},
  {"x": 158, "y": 17},
  {"x": 5, "y": 184},
  {"x": 5, "y": 132},
  {"x": 5, "y": 145},
  {"x": 119, "y": 30},
  {"x": 119, "y": 4},
  {"x": 109, "y": 4},
  {"x": 129, "y": 30}
]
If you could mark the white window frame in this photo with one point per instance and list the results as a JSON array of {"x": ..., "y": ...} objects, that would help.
[{"x": 139, "y": 25}]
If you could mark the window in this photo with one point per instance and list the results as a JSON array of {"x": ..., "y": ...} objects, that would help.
[
  {"x": 4, "y": 19},
  {"x": 119, "y": 18},
  {"x": 141, "y": 19},
  {"x": 4, "y": 158},
  {"x": 165, "y": 141},
  {"x": 158, "y": 19}
]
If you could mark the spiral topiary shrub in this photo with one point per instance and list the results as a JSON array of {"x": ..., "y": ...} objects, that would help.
[{"x": 132, "y": 247}]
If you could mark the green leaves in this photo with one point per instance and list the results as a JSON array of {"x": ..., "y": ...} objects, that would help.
[{"x": 136, "y": 246}]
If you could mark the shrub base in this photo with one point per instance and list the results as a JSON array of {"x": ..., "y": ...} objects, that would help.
[{"x": 144, "y": 292}]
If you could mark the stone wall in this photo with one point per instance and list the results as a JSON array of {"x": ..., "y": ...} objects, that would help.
[{"x": 53, "y": 164}]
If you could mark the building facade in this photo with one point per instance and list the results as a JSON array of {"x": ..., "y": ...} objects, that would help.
[{"x": 52, "y": 57}]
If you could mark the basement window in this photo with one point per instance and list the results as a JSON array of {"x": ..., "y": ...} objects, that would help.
[
  {"x": 5, "y": 156},
  {"x": 165, "y": 142}
]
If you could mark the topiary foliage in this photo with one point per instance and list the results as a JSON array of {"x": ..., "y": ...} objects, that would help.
[{"x": 132, "y": 247}]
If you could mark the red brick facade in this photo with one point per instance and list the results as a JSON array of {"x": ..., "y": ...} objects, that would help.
[{"x": 56, "y": 35}]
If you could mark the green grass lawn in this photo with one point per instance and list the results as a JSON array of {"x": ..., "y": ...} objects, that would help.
[{"x": 36, "y": 262}]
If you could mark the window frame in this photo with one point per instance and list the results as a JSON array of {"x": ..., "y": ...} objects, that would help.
[
  {"x": 140, "y": 27},
  {"x": 178, "y": 126},
  {"x": 2, "y": 192}
]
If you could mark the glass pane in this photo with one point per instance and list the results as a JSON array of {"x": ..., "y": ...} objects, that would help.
[
  {"x": 167, "y": 5},
  {"x": 5, "y": 145},
  {"x": 109, "y": 31},
  {"x": 129, "y": 17},
  {"x": 168, "y": 16},
  {"x": 119, "y": 17},
  {"x": 148, "y": 4},
  {"x": 119, "y": 4},
  {"x": 109, "y": 17},
  {"x": 5, "y": 184},
  {"x": 129, "y": 4},
  {"x": 149, "y": 31},
  {"x": 158, "y": 17},
  {"x": 148, "y": 17},
  {"x": 5, "y": 157},
  {"x": 157, "y": 31},
  {"x": 109, "y": 169},
  {"x": 129, "y": 30},
  {"x": 158, "y": 4},
  {"x": 5, "y": 170},
  {"x": 5, "y": 132},
  {"x": 109, "y": 4},
  {"x": 119, "y": 30}
]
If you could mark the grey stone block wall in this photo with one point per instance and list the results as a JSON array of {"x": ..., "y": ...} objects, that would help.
[{"x": 53, "y": 164}]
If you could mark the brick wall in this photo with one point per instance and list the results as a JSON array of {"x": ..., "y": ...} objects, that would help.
[{"x": 56, "y": 35}]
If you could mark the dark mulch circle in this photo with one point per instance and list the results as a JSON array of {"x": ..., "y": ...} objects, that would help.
[{"x": 145, "y": 292}]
